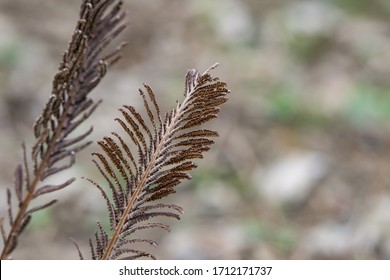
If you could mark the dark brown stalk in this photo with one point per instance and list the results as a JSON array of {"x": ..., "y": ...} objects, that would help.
[{"x": 81, "y": 69}]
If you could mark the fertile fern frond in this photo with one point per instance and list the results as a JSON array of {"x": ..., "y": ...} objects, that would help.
[
  {"x": 165, "y": 147},
  {"x": 82, "y": 67}
]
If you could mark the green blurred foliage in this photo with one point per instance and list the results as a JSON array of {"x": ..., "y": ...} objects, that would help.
[
  {"x": 286, "y": 106},
  {"x": 364, "y": 7},
  {"x": 368, "y": 104},
  {"x": 309, "y": 48},
  {"x": 10, "y": 56},
  {"x": 42, "y": 220}
]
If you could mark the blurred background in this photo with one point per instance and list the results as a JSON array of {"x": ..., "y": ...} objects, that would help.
[{"x": 302, "y": 167}]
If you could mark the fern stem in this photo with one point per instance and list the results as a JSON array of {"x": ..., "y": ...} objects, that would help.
[
  {"x": 32, "y": 187},
  {"x": 81, "y": 69},
  {"x": 145, "y": 175}
]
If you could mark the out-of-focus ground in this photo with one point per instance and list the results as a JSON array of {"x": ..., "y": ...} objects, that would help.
[{"x": 302, "y": 167}]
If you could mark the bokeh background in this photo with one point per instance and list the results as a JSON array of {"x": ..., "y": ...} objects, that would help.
[{"x": 302, "y": 167}]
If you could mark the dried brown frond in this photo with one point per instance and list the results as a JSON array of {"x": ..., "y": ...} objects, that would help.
[
  {"x": 82, "y": 67},
  {"x": 165, "y": 147}
]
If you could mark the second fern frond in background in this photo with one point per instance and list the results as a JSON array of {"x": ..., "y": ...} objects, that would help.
[{"x": 82, "y": 68}]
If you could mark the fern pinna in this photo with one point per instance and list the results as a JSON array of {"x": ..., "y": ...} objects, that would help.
[{"x": 166, "y": 146}]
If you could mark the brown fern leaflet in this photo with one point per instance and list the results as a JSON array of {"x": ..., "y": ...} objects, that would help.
[
  {"x": 165, "y": 147},
  {"x": 82, "y": 67}
]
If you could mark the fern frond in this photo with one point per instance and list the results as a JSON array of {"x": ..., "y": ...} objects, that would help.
[
  {"x": 152, "y": 157},
  {"x": 82, "y": 67}
]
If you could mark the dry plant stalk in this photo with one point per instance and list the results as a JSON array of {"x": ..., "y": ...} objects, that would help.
[
  {"x": 141, "y": 165},
  {"x": 82, "y": 67}
]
